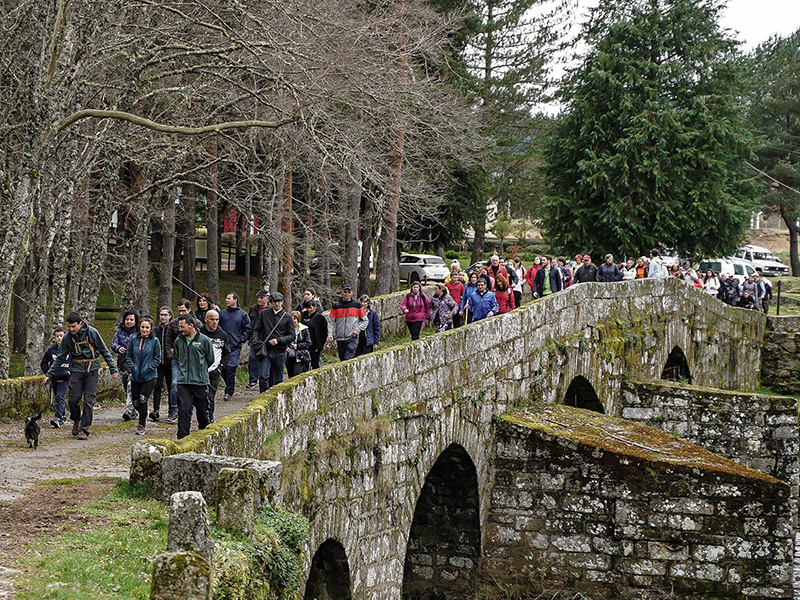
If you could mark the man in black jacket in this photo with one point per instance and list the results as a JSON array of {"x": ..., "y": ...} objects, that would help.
[
  {"x": 586, "y": 272},
  {"x": 317, "y": 325},
  {"x": 222, "y": 352},
  {"x": 254, "y": 365},
  {"x": 164, "y": 371},
  {"x": 275, "y": 329},
  {"x": 548, "y": 279}
]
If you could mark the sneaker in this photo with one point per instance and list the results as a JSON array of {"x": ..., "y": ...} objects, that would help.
[
  {"x": 55, "y": 423},
  {"x": 61, "y": 422},
  {"x": 83, "y": 435},
  {"x": 172, "y": 418},
  {"x": 140, "y": 430},
  {"x": 126, "y": 416},
  {"x": 253, "y": 385},
  {"x": 227, "y": 398},
  {"x": 76, "y": 428},
  {"x": 154, "y": 416}
]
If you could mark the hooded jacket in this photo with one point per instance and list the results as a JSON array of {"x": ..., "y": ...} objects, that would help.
[{"x": 85, "y": 347}]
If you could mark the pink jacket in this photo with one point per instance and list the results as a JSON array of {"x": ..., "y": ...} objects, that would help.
[{"x": 418, "y": 308}]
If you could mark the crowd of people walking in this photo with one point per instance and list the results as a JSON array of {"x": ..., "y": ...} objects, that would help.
[{"x": 188, "y": 356}]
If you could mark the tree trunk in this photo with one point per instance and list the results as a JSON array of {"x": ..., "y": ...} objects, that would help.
[
  {"x": 480, "y": 238},
  {"x": 60, "y": 261},
  {"x": 188, "y": 231},
  {"x": 350, "y": 220},
  {"x": 167, "y": 262},
  {"x": 287, "y": 240},
  {"x": 78, "y": 246},
  {"x": 97, "y": 243},
  {"x": 367, "y": 236},
  {"x": 20, "y": 317},
  {"x": 794, "y": 258},
  {"x": 212, "y": 226},
  {"x": 135, "y": 291},
  {"x": 245, "y": 300}
]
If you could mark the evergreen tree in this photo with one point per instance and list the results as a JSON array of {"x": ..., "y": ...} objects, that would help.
[
  {"x": 774, "y": 115},
  {"x": 652, "y": 146}
]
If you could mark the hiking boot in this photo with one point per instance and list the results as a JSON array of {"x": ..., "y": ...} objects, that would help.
[
  {"x": 83, "y": 435},
  {"x": 126, "y": 416},
  {"x": 173, "y": 417},
  {"x": 227, "y": 398},
  {"x": 140, "y": 430},
  {"x": 154, "y": 416},
  {"x": 55, "y": 423},
  {"x": 76, "y": 427}
]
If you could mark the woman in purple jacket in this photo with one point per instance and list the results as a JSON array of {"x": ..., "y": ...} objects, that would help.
[{"x": 416, "y": 308}]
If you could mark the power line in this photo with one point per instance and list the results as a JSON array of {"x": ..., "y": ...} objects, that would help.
[{"x": 772, "y": 178}]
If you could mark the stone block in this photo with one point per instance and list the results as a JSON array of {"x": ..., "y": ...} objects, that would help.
[
  {"x": 235, "y": 501},
  {"x": 188, "y": 525},
  {"x": 181, "y": 576},
  {"x": 198, "y": 472}
]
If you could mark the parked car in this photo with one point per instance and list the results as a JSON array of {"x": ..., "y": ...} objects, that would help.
[
  {"x": 422, "y": 268},
  {"x": 733, "y": 267},
  {"x": 763, "y": 261}
]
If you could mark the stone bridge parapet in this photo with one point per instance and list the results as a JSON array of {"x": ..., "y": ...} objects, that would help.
[{"x": 360, "y": 440}]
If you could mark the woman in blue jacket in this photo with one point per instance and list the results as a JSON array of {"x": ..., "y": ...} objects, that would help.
[{"x": 143, "y": 357}]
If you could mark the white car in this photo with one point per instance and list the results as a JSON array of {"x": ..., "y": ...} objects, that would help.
[
  {"x": 732, "y": 267},
  {"x": 422, "y": 268},
  {"x": 763, "y": 261}
]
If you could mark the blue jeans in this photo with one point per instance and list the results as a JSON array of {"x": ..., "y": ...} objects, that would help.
[
  {"x": 347, "y": 348},
  {"x": 173, "y": 388},
  {"x": 272, "y": 370},
  {"x": 60, "y": 388},
  {"x": 254, "y": 366},
  {"x": 229, "y": 373}
]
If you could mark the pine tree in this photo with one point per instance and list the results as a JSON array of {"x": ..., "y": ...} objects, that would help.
[
  {"x": 652, "y": 146},
  {"x": 774, "y": 115}
]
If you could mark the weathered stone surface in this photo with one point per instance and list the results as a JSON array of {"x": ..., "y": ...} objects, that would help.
[
  {"x": 188, "y": 525},
  {"x": 199, "y": 472},
  {"x": 755, "y": 430},
  {"x": 235, "y": 505},
  {"x": 678, "y": 516},
  {"x": 181, "y": 576}
]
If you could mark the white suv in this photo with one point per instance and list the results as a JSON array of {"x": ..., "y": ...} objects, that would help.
[
  {"x": 763, "y": 261},
  {"x": 422, "y": 267},
  {"x": 732, "y": 267}
]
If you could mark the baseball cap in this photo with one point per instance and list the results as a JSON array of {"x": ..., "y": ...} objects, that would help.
[
  {"x": 587, "y": 257},
  {"x": 347, "y": 286}
]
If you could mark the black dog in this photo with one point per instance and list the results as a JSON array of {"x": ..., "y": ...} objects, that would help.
[{"x": 32, "y": 431}]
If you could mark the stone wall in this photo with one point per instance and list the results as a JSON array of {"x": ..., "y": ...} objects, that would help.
[
  {"x": 25, "y": 396},
  {"x": 594, "y": 504},
  {"x": 358, "y": 439},
  {"x": 780, "y": 355},
  {"x": 756, "y": 430}
]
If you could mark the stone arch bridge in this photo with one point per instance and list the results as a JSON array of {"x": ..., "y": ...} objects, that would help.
[{"x": 452, "y": 462}]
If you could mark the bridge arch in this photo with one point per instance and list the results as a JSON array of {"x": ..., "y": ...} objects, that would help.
[
  {"x": 444, "y": 543},
  {"x": 581, "y": 394},
  {"x": 676, "y": 368},
  {"x": 329, "y": 578}
]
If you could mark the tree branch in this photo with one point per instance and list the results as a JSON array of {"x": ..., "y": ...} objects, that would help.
[{"x": 174, "y": 129}]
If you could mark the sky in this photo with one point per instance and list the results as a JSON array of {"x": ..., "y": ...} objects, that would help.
[{"x": 756, "y": 20}]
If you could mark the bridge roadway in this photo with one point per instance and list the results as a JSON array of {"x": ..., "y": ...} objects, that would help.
[{"x": 360, "y": 440}]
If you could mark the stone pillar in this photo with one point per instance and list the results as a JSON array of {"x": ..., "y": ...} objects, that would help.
[
  {"x": 188, "y": 525},
  {"x": 236, "y": 501},
  {"x": 181, "y": 576}
]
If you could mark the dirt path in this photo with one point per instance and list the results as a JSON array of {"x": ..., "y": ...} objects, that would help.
[{"x": 28, "y": 509}]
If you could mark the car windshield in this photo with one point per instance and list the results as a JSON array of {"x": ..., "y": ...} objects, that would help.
[
  {"x": 715, "y": 266},
  {"x": 764, "y": 256},
  {"x": 434, "y": 261}
]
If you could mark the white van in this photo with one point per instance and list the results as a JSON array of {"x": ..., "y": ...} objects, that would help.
[
  {"x": 732, "y": 267},
  {"x": 763, "y": 261}
]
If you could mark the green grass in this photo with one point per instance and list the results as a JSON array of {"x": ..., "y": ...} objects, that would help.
[{"x": 112, "y": 560}]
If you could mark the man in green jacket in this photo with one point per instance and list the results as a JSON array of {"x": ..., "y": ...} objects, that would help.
[
  {"x": 86, "y": 347},
  {"x": 195, "y": 354}
]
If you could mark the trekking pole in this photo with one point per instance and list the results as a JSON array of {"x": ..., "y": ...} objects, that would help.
[
  {"x": 186, "y": 286},
  {"x": 778, "y": 306}
]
